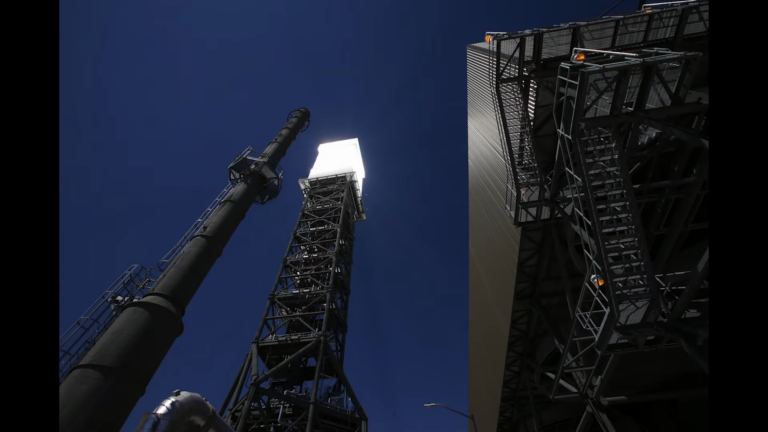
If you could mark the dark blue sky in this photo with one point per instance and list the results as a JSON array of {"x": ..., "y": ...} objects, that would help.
[{"x": 158, "y": 97}]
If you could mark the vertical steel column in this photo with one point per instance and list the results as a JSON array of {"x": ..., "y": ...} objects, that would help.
[
  {"x": 319, "y": 364},
  {"x": 236, "y": 385},
  {"x": 326, "y": 317}
]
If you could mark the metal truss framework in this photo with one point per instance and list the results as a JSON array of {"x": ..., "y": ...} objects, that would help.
[
  {"x": 616, "y": 119},
  {"x": 525, "y": 382},
  {"x": 137, "y": 281},
  {"x": 524, "y": 63},
  {"x": 292, "y": 377},
  {"x": 620, "y": 301}
]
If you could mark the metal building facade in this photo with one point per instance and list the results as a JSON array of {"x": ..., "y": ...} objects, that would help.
[
  {"x": 493, "y": 245},
  {"x": 620, "y": 193}
]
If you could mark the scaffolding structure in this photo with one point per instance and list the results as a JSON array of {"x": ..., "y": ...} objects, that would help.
[
  {"x": 605, "y": 132},
  {"x": 292, "y": 377}
]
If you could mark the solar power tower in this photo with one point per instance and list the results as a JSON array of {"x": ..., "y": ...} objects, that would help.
[
  {"x": 589, "y": 224},
  {"x": 293, "y": 377}
]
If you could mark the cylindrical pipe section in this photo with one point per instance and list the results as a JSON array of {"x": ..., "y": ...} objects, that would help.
[
  {"x": 277, "y": 148},
  {"x": 101, "y": 391},
  {"x": 184, "y": 412}
]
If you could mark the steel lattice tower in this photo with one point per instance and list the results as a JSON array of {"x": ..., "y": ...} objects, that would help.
[{"x": 295, "y": 364}]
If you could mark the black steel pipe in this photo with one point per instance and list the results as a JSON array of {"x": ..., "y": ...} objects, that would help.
[
  {"x": 277, "y": 148},
  {"x": 102, "y": 390}
]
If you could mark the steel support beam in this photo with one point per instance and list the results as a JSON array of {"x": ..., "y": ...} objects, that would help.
[
  {"x": 653, "y": 114},
  {"x": 602, "y": 419},
  {"x": 682, "y": 213},
  {"x": 676, "y": 131},
  {"x": 648, "y": 397},
  {"x": 700, "y": 273},
  {"x": 236, "y": 385},
  {"x": 586, "y": 420},
  {"x": 339, "y": 369}
]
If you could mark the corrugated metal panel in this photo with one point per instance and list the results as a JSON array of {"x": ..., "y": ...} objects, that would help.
[{"x": 493, "y": 246}]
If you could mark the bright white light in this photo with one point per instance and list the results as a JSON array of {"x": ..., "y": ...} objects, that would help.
[{"x": 339, "y": 157}]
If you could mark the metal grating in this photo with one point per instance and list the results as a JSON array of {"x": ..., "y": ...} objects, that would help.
[
  {"x": 632, "y": 30},
  {"x": 510, "y": 57},
  {"x": 556, "y": 43},
  {"x": 698, "y": 21},
  {"x": 600, "y": 95},
  {"x": 659, "y": 97},
  {"x": 664, "y": 24},
  {"x": 517, "y": 97},
  {"x": 598, "y": 36},
  {"x": 517, "y": 101},
  {"x": 529, "y": 48}
]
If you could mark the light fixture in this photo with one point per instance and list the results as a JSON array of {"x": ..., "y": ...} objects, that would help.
[
  {"x": 596, "y": 281},
  {"x": 578, "y": 57},
  {"x": 488, "y": 38}
]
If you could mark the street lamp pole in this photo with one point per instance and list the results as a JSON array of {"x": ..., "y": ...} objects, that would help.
[{"x": 470, "y": 416}]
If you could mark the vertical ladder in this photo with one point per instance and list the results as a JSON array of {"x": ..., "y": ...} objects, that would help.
[
  {"x": 133, "y": 284},
  {"x": 174, "y": 252}
]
